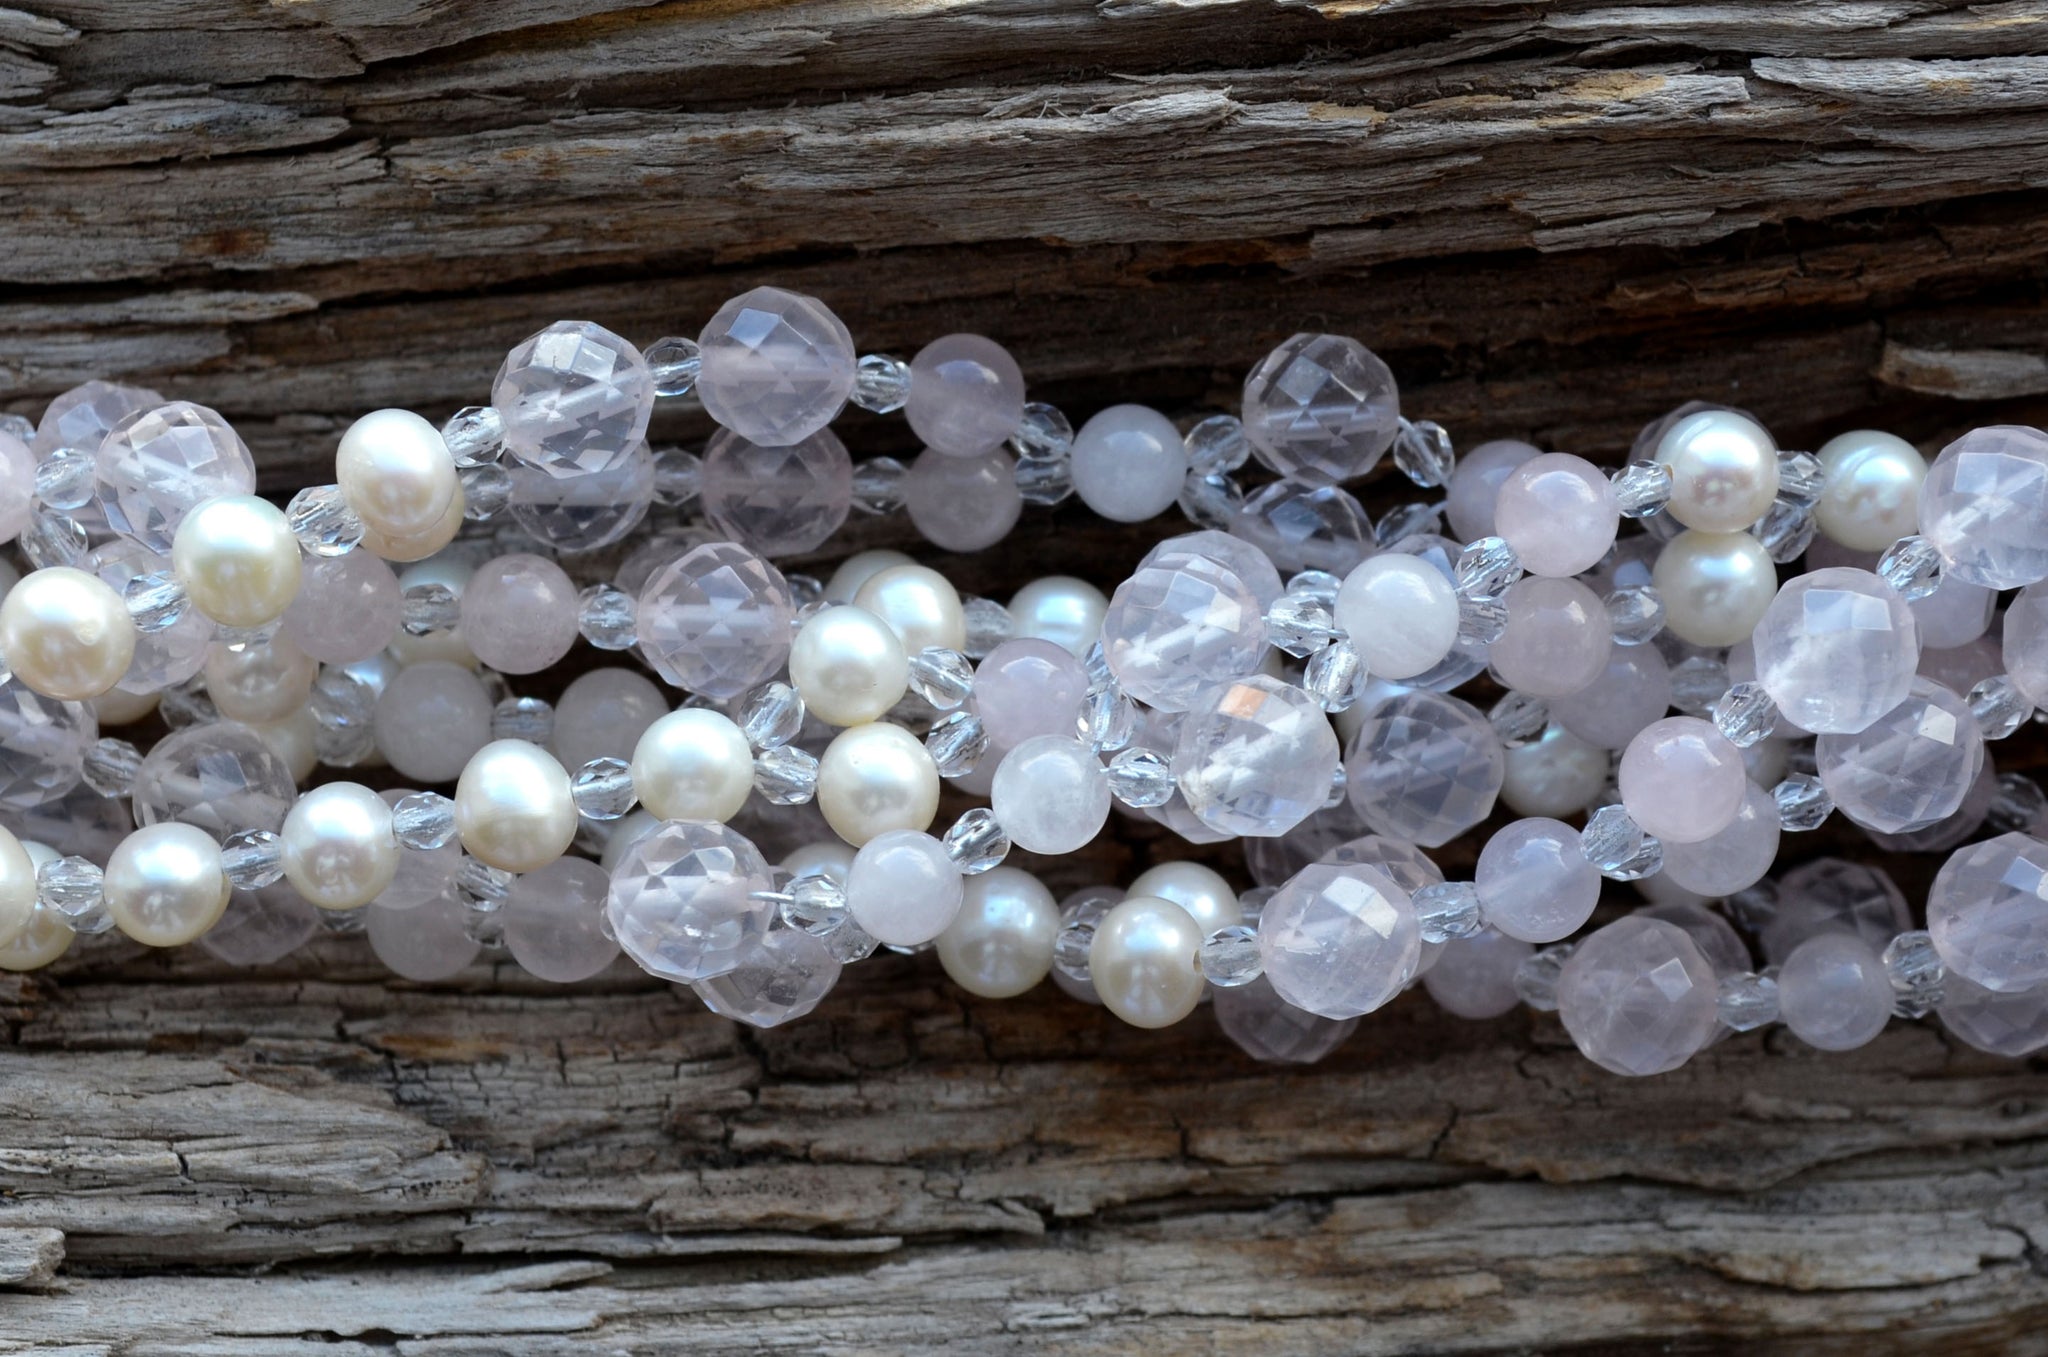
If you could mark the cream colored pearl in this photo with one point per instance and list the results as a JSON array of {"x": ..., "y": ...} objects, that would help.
[
  {"x": 858, "y": 569},
  {"x": 1715, "y": 586},
  {"x": 238, "y": 560},
  {"x": 1199, "y": 890},
  {"x": 848, "y": 666},
  {"x": 259, "y": 682},
  {"x": 119, "y": 707},
  {"x": 693, "y": 764},
  {"x": 339, "y": 851},
  {"x": 1724, "y": 470},
  {"x": 1556, "y": 775},
  {"x": 451, "y": 645},
  {"x": 294, "y": 740},
  {"x": 164, "y": 885},
  {"x": 17, "y": 888},
  {"x": 1061, "y": 609},
  {"x": 1871, "y": 497},
  {"x": 876, "y": 778},
  {"x": 420, "y": 545},
  {"x": 47, "y": 936},
  {"x": 1144, "y": 961},
  {"x": 66, "y": 634},
  {"x": 1000, "y": 943},
  {"x": 513, "y": 806},
  {"x": 919, "y": 605},
  {"x": 827, "y": 858},
  {"x": 395, "y": 471}
]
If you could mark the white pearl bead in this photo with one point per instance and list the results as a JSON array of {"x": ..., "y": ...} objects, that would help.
[
  {"x": 876, "y": 778},
  {"x": 1556, "y": 775},
  {"x": 1401, "y": 614},
  {"x": 513, "y": 807},
  {"x": 1144, "y": 962},
  {"x": 395, "y": 471},
  {"x": 848, "y": 666},
  {"x": 339, "y": 851},
  {"x": 1201, "y": 891},
  {"x": 164, "y": 886},
  {"x": 693, "y": 764},
  {"x": 238, "y": 560},
  {"x": 261, "y": 681},
  {"x": 1128, "y": 463},
  {"x": 858, "y": 569},
  {"x": 17, "y": 888},
  {"x": 1061, "y": 609},
  {"x": 450, "y": 646},
  {"x": 827, "y": 858},
  {"x": 118, "y": 707},
  {"x": 1871, "y": 497},
  {"x": 1715, "y": 586},
  {"x": 1724, "y": 470},
  {"x": 1000, "y": 943},
  {"x": 295, "y": 740},
  {"x": 47, "y": 936},
  {"x": 919, "y": 604},
  {"x": 419, "y": 545},
  {"x": 66, "y": 634}
]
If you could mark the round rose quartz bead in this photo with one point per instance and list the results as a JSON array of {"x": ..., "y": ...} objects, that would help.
[
  {"x": 430, "y": 719},
  {"x": 1129, "y": 463},
  {"x": 962, "y": 502},
  {"x": 903, "y": 888},
  {"x": 1534, "y": 883},
  {"x": 1833, "y": 993},
  {"x": 431, "y": 942},
  {"x": 519, "y": 613},
  {"x": 1475, "y": 977},
  {"x": 347, "y": 609},
  {"x": 2025, "y": 638},
  {"x": 1638, "y": 997},
  {"x": 1026, "y": 688},
  {"x": 603, "y": 714},
  {"x": 1558, "y": 512},
  {"x": 1475, "y": 485},
  {"x": 555, "y": 920},
  {"x": 1557, "y": 637},
  {"x": 1733, "y": 859},
  {"x": 1632, "y": 690},
  {"x": 966, "y": 395},
  {"x": 1682, "y": 780}
]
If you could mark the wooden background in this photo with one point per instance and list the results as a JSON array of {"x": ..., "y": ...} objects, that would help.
[{"x": 1554, "y": 220}]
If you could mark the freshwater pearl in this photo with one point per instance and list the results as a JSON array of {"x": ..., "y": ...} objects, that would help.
[
  {"x": 876, "y": 778},
  {"x": 693, "y": 764},
  {"x": 1061, "y": 609},
  {"x": 261, "y": 681},
  {"x": 1715, "y": 586},
  {"x": 66, "y": 634},
  {"x": 296, "y": 740},
  {"x": 47, "y": 936},
  {"x": 338, "y": 847},
  {"x": 1872, "y": 494},
  {"x": 827, "y": 858},
  {"x": 848, "y": 666},
  {"x": 1000, "y": 943},
  {"x": 858, "y": 569},
  {"x": 164, "y": 885},
  {"x": 18, "y": 889},
  {"x": 238, "y": 560},
  {"x": 419, "y": 545},
  {"x": 1128, "y": 463},
  {"x": 919, "y": 604},
  {"x": 1401, "y": 614},
  {"x": 1556, "y": 775},
  {"x": 903, "y": 888},
  {"x": 450, "y": 646},
  {"x": 1143, "y": 962},
  {"x": 118, "y": 707},
  {"x": 513, "y": 807},
  {"x": 1201, "y": 891},
  {"x": 394, "y": 469},
  {"x": 1724, "y": 470}
]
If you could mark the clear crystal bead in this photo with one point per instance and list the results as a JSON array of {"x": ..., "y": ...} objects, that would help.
[
  {"x": 1518, "y": 719},
  {"x": 531, "y": 719},
  {"x": 187, "y": 704},
  {"x": 1999, "y": 706},
  {"x": 805, "y": 589},
  {"x": 1217, "y": 446},
  {"x": 110, "y": 766},
  {"x": 486, "y": 492},
  {"x": 941, "y": 677},
  {"x": 1229, "y": 957},
  {"x": 603, "y": 788},
  {"x": 320, "y": 517},
  {"x": 772, "y": 715},
  {"x": 605, "y": 617},
  {"x": 1108, "y": 720},
  {"x": 879, "y": 484},
  {"x": 786, "y": 775},
  {"x": 1095, "y": 663},
  {"x": 2018, "y": 804},
  {"x": 1422, "y": 449},
  {"x": 957, "y": 744},
  {"x": 989, "y": 624},
  {"x": 424, "y": 820},
  {"x": 1642, "y": 489},
  {"x": 24, "y": 429},
  {"x": 1786, "y": 530},
  {"x": 1697, "y": 683},
  {"x": 849, "y": 943},
  {"x": 482, "y": 885},
  {"x": 1537, "y": 976},
  {"x": 1917, "y": 973},
  {"x": 1611, "y": 838},
  {"x": 816, "y": 904},
  {"x": 1044, "y": 434},
  {"x": 344, "y": 707},
  {"x": 674, "y": 363},
  {"x": 70, "y": 885},
  {"x": 1745, "y": 714},
  {"x": 1747, "y": 1001},
  {"x": 1447, "y": 910},
  {"x": 1404, "y": 521},
  {"x": 430, "y": 606},
  {"x": 1252, "y": 903},
  {"x": 1801, "y": 478},
  {"x": 1340, "y": 787},
  {"x": 1332, "y": 676},
  {"x": 1071, "y": 947},
  {"x": 1803, "y": 803},
  {"x": 1755, "y": 906},
  {"x": 64, "y": 479},
  {"x": 1319, "y": 585},
  {"x": 252, "y": 859},
  {"x": 881, "y": 384},
  {"x": 678, "y": 477},
  {"x": 1637, "y": 614},
  {"x": 1141, "y": 778},
  {"x": 1481, "y": 620},
  {"x": 475, "y": 435},
  {"x": 1043, "y": 483},
  {"x": 1912, "y": 566},
  {"x": 54, "y": 538},
  {"x": 1211, "y": 501},
  {"x": 977, "y": 842},
  {"x": 1300, "y": 624},
  {"x": 1486, "y": 567}
]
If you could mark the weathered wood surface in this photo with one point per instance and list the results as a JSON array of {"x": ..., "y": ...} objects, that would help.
[{"x": 1556, "y": 220}]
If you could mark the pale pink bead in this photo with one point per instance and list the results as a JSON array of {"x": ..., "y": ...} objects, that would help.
[
  {"x": 603, "y": 715},
  {"x": 1027, "y": 688},
  {"x": 1557, "y": 637},
  {"x": 1682, "y": 780},
  {"x": 1534, "y": 883},
  {"x": 1633, "y": 689},
  {"x": 1475, "y": 485},
  {"x": 519, "y": 613},
  {"x": 430, "y": 719},
  {"x": 1475, "y": 977},
  {"x": 1558, "y": 512},
  {"x": 347, "y": 608},
  {"x": 962, "y": 503},
  {"x": 966, "y": 395}
]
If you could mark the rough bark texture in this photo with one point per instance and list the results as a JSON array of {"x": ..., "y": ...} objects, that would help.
[{"x": 1555, "y": 220}]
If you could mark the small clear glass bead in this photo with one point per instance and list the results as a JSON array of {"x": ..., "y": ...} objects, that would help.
[
  {"x": 603, "y": 789},
  {"x": 430, "y": 606},
  {"x": 1252, "y": 903},
  {"x": 110, "y": 766},
  {"x": 475, "y": 435},
  {"x": 1803, "y": 803},
  {"x": 849, "y": 943},
  {"x": 1536, "y": 978},
  {"x": 1642, "y": 489},
  {"x": 1614, "y": 843},
  {"x": 989, "y": 624},
  {"x": 1745, "y": 714},
  {"x": 1637, "y": 614},
  {"x": 321, "y": 518},
  {"x": 678, "y": 477},
  {"x": 1108, "y": 720},
  {"x": 605, "y": 616},
  {"x": 1340, "y": 786},
  {"x": 878, "y": 485},
  {"x": 2018, "y": 804},
  {"x": 1071, "y": 947},
  {"x": 1141, "y": 778},
  {"x": 70, "y": 885},
  {"x": 1754, "y": 906},
  {"x": 1044, "y": 434},
  {"x": 941, "y": 677},
  {"x": 1043, "y": 483},
  {"x": 1999, "y": 706},
  {"x": 64, "y": 479},
  {"x": 1481, "y": 620},
  {"x": 1912, "y": 566},
  {"x": 1447, "y": 910},
  {"x": 881, "y": 384},
  {"x": 1217, "y": 446},
  {"x": 1518, "y": 719},
  {"x": 21, "y": 426},
  {"x": 816, "y": 904},
  {"x": 1404, "y": 521},
  {"x": 786, "y": 775},
  {"x": 54, "y": 538},
  {"x": 1919, "y": 978},
  {"x": 531, "y": 719},
  {"x": 804, "y": 589},
  {"x": 957, "y": 744},
  {"x": 1747, "y": 1001},
  {"x": 484, "y": 886},
  {"x": 1230, "y": 957},
  {"x": 1486, "y": 567},
  {"x": 252, "y": 859},
  {"x": 1210, "y": 501},
  {"x": 1697, "y": 683},
  {"x": 1786, "y": 530},
  {"x": 1096, "y": 665},
  {"x": 486, "y": 492},
  {"x": 674, "y": 363},
  {"x": 1332, "y": 676},
  {"x": 1801, "y": 478},
  {"x": 772, "y": 715},
  {"x": 483, "y": 921},
  {"x": 187, "y": 704},
  {"x": 1300, "y": 624},
  {"x": 156, "y": 601},
  {"x": 1422, "y": 449},
  {"x": 423, "y": 820},
  {"x": 976, "y": 842},
  {"x": 344, "y": 718},
  {"x": 1319, "y": 585}
]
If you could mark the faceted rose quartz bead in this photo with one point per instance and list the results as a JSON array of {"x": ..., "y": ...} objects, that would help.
[
  {"x": 1909, "y": 768},
  {"x": 1836, "y": 650},
  {"x": 80, "y": 419},
  {"x": 1638, "y": 998},
  {"x": 2014, "y": 1024},
  {"x": 1026, "y": 688},
  {"x": 962, "y": 503},
  {"x": 966, "y": 395},
  {"x": 1716, "y": 938},
  {"x": 780, "y": 501},
  {"x": 777, "y": 366},
  {"x": 1737, "y": 857},
  {"x": 1559, "y": 514},
  {"x": 222, "y": 777},
  {"x": 1408, "y": 865},
  {"x": 1987, "y": 912},
  {"x": 1475, "y": 977},
  {"x": 1475, "y": 485},
  {"x": 1829, "y": 894},
  {"x": 555, "y": 921},
  {"x": 1272, "y": 861},
  {"x": 42, "y": 748},
  {"x": 163, "y": 659},
  {"x": 1178, "y": 627},
  {"x": 519, "y": 613},
  {"x": 80, "y": 823},
  {"x": 1963, "y": 667},
  {"x": 1255, "y": 757},
  {"x": 587, "y": 511},
  {"x": 1339, "y": 941},
  {"x": 1557, "y": 637},
  {"x": 682, "y": 900},
  {"x": 1682, "y": 780},
  {"x": 1956, "y": 827},
  {"x": 1833, "y": 992},
  {"x": 261, "y": 928},
  {"x": 603, "y": 714},
  {"x": 424, "y": 874},
  {"x": 1234, "y": 554},
  {"x": 785, "y": 975},
  {"x": 2025, "y": 643},
  {"x": 430, "y": 718},
  {"x": 347, "y": 609},
  {"x": 1534, "y": 883},
  {"x": 716, "y": 621},
  {"x": 428, "y": 943},
  {"x": 1303, "y": 527},
  {"x": 1425, "y": 768},
  {"x": 1321, "y": 409},
  {"x": 1984, "y": 506},
  {"x": 1632, "y": 690},
  {"x": 17, "y": 487},
  {"x": 574, "y": 399},
  {"x": 157, "y": 464},
  {"x": 1266, "y": 1027}
]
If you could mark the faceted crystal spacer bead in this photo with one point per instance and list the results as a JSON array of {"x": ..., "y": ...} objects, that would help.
[
  {"x": 1422, "y": 449},
  {"x": 156, "y": 601},
  {"x": 64, "y": 479},
  {"x": 1141, "y": 778},
  {"x": 1537, "y": 975},
  {"x": 1801, "y": 478},
  {"x": 1642, "y": 489},
  {"x": 772, "y": 715},
  {"x": 2018, "y": 804},
  {"x": 678, "y": 477},
  {"x": 1617, "y": 845},
  {"x": 1481, "y": 620},
  {"x": 1211, "y": 501},
  {"x": 942, "y": 677},
  {"x": 423, "y": 820},
  {"x": 531, "y": 719},
  {"x": 816, "y": 904},
  {"x": 430, "y": 606},
  {"x": 881, "y": 383},
  {"x": 110, "y": 766},
  {"x": 1803, "y": 803},
  {"x": 1404, "y": 521},
  {"x": 1332, "y": 676},
  {"x": 605, "y": 617},
  {"x": 1786, "y": 530},
  {"x": 54, "y": 538},
  {"x": 1300, "y": 624},
  {"x": 879, "y": 484},
  {"x": 1518, "y": 719},
  {"x": 1745, "y": 714},
  {"x": 1043, "y": 483},
  {"x": 1217, "y": 446},
  {"x": 1108, "y": 720},
  {"x": 349, "y": 922},
  {"x": 1917, "y": 974},
  {"x": 320, "y": 517},
  {"x": 486, "y": 492},
  {"x": 989, "y": 624},
  {"x": 186, "y": 704},
  {"x": 252, "y": 859},
  {"x": 603, "y": 789},
  {"x": 1999, "y": 706},
  {"x": 475, "y": 435},
  {"x": 850, "y": 942},
  {"x": 1320, "y": 585},
  {"x": 786, "y": 775},
  {"x": 344, "y": 718},
  {"x": 1071, "y": 946},
  {"x": 1044, "y": 434},
  {"x": 1747, "y": 1001},
  {"x": 1636, "y": 614},
  {"x": 977, "y": 842},
  {"x": 483, "y": 885},
  {"x": 674, "y": 363},
  {"x": 1912, "y": 566},
  {"x": 1229, "y": 957},
  {"x": 1447, "y": 910},
  {"x": 957, "y": 744},
  {"x": 1697, "y": 683},
  {"x": 70, "y": 886},
  {"x": 1486, "y": 567}
]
